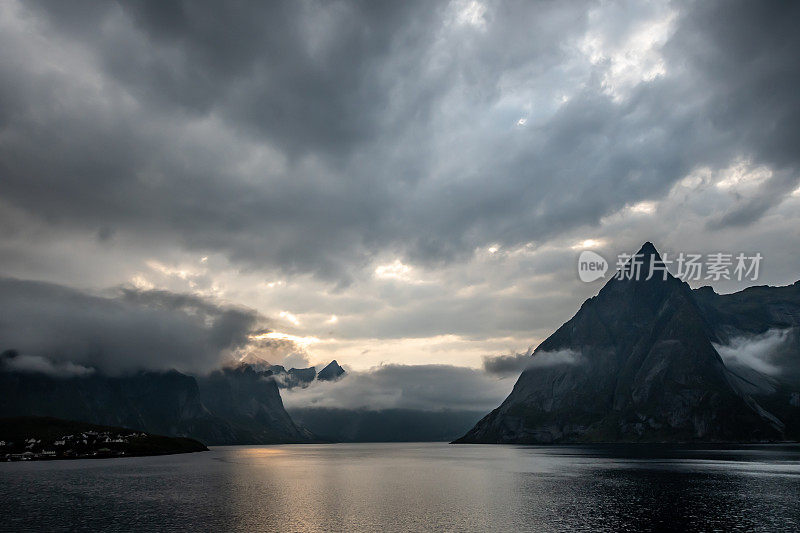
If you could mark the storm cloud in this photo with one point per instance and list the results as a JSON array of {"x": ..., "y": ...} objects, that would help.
[
  {"x": 304, "y": 135},
  {"x": 404, "y": 182}
]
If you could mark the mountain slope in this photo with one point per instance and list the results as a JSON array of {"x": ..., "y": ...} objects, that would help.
[
  {"x": 250, "y": 405},
  {"x": 636, "y": 363}
]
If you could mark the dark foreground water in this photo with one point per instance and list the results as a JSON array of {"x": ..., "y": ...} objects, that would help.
[{"x": 411, "y": 487}]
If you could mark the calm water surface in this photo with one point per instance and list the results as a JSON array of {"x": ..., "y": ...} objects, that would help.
[{"x": 411, "y": 487}]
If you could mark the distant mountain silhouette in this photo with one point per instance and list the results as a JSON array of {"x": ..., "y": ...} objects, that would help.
[
  {"x": 229, "y": 406},
  {"x": 238, "y": 404},
  {"x": 639, "y": 362}
]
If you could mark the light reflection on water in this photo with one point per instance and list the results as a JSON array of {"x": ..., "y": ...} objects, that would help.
[{"x": 412, "y": 487}]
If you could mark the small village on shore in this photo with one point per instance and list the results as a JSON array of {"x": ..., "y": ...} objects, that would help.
[
  {"x": 83, "y": 445},
  {"x": 46, "y": 438}
]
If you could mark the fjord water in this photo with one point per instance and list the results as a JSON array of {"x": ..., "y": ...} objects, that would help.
[{"x": 412, "y": 487}]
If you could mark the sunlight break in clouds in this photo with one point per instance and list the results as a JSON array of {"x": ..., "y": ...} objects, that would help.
[
  {"x": 588, "y": 243},
  {"x": 742, "y": 174},
  {"x": 290, "y": 317},
  {"x": 395, "y": 270},
  {"x": 644, "y": 208},
  {"x": 470, "y": 12},
  {"x": 630, "y": 58},
  {"x": 299, "y": 340}
]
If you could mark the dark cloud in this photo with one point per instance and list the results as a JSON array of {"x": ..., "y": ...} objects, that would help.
[
  {"x": 305, "y": 75},
  {"x": 56, "y": 329},
  {"x": 739, "y": 56},
  {"x": 365, "y": 94},
  {"x": 510, "y": 364},
  {"x": 347, "y": 105},
  {"x": 285, "y": 139},
  {"x": 748, "y": 210}
]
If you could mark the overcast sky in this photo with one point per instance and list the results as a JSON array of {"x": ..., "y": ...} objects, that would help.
[{"x": 398, "y": 183}]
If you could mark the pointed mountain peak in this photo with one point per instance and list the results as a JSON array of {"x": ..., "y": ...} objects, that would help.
[
  {"x": 640, "y": 265},
  {"x": 648, "y": 249},
  {"x": 644, "y": 277},
  {"x": 331, "y": 372}
]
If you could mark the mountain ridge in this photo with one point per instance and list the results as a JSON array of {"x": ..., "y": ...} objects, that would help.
[
  {"x": 228, "y": 406},
  {"x": 294, "y": 377}
]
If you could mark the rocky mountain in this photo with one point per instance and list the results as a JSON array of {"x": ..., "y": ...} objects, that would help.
[
  {"x": 230, "y": 406},
  {"x": 641, "y": 362},
  {"x": 332, "y": 372},
  {"x": 294, "y": 377}
]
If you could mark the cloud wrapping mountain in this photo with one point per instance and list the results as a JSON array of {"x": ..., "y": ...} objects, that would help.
[
  {"x": 42, "y": 365},
  {"x": 61, "y": 330},
  {"x": 515, "y": 363},
  {"x": 411, "y": 387},
  {"x": 755, "y": 351}
]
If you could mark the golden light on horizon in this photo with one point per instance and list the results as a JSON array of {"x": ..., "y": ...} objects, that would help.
[
  {"x": 303, "y": 341},
  {"x": 588, "y": 243}
]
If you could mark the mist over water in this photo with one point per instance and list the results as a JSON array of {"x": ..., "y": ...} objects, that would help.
[{"x": 412, "y": 487}]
